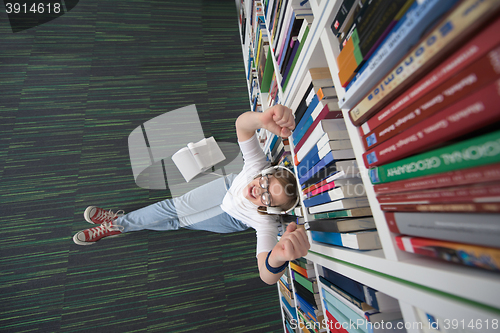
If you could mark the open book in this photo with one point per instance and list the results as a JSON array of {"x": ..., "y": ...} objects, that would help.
[{"x": 198, "y": 157}]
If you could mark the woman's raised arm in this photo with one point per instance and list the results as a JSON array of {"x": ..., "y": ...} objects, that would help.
[{"x": 277, "y": 119}]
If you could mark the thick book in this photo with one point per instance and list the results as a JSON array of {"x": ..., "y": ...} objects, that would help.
[
  {"x": 478, "y": 151},
  {"x": 315, "y": 77},
  {"x": 465, "y": 56},
  {"x": 460, "y": 253},
  {"x": 343, "y": 319},
  {"x": 198, "y": 157},
  {"x": 343, "y": 204},
  {"x": 358, "y": 240},
  {"x": 458, "y": 26},
  {"x": 448, "y": 207},
  {"x": 465, "y": 193},
  {"x": 309, "y": 284},
  {"x": 348, "y": 169},
  {"x": 478, "y": 229},
  {"x": 354, "y": 212},
  {"x": 318, "y": 106},
  {"x": 325, "y": 168},
  {"x": 318, "y": 152},
  {"x": 333, "y": 324},
  {"x": 481, "y": 174},
  {"x": 402, "y": 37},
  {"x": 331, "y": 185},
  {"x": 484, "y": 71},
  {"x": 330, "y": 157},
  {"x": 361, "y": 305},
  {"x": 342, "y": 14},
  {"x": 353, "y": 313},
  {"x": 341, "y": 225},
  {"x": 372, "y": 297},
  {"x": 379, "y": 17},
  {"x": 329, "y": 111},
  {"x": 337, "y": 193},
  {"x": 471, "y": 113},
  {"x": 335, "y": 129}
]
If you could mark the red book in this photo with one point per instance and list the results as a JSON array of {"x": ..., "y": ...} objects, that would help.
[
  {"x": 468, "y": 193},
  {"x": 315, "y": 186},
  {"x": 482, "y": 174},
  {"x": 483, "y": 71},
  {"x": 328, "y": 112},
  {"x": 473, "y": 112},
  {"x": 470, "y": 255},
  {"x": 448, "y": 207},
  {"x": 334, "y": 325},
  {"x": 463, "y": 57}
]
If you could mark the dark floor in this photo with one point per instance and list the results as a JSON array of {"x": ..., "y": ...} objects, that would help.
[{"x": 71, "y": 91}]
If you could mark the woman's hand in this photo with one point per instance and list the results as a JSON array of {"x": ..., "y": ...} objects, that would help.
[
  {"x": 292, "y": 245},
  {"x": 278, "y": 120}
]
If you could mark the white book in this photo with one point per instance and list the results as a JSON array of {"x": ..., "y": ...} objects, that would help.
[{"x": 198, "y": 157}]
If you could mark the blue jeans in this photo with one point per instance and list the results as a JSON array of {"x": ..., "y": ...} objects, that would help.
[{"x": 198, "y": 209}]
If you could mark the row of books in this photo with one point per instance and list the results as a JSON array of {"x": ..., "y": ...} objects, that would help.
[
  {"x": 351, "y": 306},
  {"x": 304, "y": 287},
  {"x": 332, "y": 190},
  {"x": 429, "y": 120},
  {"x": 288, "y": 23}
]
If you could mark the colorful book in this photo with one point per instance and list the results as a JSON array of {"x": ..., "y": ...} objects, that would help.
[
  {"x": 469, "y": 255},
  {"x": 341, "y": 213},
  {"x": 484, "y": 71},
  {"x": 458, "y": 26},
  {"x": 328, "y": 158},
  {"x": 318, "y": 152},
  {"x": 478, "y": 229},
  {"x": 448, "y": 207},
  {"x": 343, "y": 320},
  {"x": 372, "y": 297},
  {"x": 481, "y": 174},
  {"x": 358, "y": 240},
  {"x": 466, "y": 193},
  {"x": 331, "y": 185},
  {"x": 337, "y": 193},
  {"x": 361, "y": 305},
  {"x": 341, "y": 225},
  {"x": 343, "y": 204},
  {"x": 478, "y": 151},
  {"x": 336, "y": 130},
  {"x": 403, "y": 36}
]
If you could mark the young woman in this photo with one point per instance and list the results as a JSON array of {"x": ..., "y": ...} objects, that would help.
[{"x": 230, "y": 204}]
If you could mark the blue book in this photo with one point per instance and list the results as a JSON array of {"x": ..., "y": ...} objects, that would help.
[
  {"x": 305, "y": 121},
  {"x": 306, "y": 307},
  {"x": 402, "y": 37},
  {"x": 289, "y": 307},
  {"x": 343, "y": 320},
  {"x": 354, "y": 288},
  {"x": 287, "y": 42},
  {"x": 331, "y": 157},
  {"x": 359, "y": 240},
  {"x": 309, "y": 161}
]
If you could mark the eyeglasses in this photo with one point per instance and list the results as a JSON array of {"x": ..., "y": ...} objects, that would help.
[{"x": 265, "y": 198}]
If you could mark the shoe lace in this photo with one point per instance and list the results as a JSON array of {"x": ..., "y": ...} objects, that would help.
[
  {"x": 109, "y": 215},
  {"x": 103, "y": 229}
]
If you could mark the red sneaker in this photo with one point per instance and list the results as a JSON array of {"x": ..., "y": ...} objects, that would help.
[
  {"x": 92, "y": 235},
  {"x": 96, "y": 215}
]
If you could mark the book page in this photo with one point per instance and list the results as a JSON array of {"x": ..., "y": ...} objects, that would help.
[{"x": 185, "y": 162}]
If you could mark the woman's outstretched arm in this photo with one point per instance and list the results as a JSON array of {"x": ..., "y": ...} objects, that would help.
[{"x": 277, "y": 119}]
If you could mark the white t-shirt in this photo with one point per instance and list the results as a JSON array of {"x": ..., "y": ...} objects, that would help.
[{"x": 236, "y": 205}]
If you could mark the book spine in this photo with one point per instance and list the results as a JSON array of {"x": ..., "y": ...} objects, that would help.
[
  {"x": 482, "y": 174},
  {"x": 470, "y": 255},
  {"x": 327, "y": 113},
  {"x": 483, "y": 71},
  {"x": 481, "y": 150},
  {"x": 484, "y": 207},
  {"x": 459, "y": 25},
  {"x": 405, "y": 34},
  {"x": 466, "y": 194},
  {"x": 473, "y": 112},
  {"x": 465, "y": 56},
  {"x": 455, "y": 227},
  {"x": 363, "y": 211}
]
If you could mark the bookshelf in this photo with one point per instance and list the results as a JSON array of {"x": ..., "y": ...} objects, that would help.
[{"x": 445, "y": 290}]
